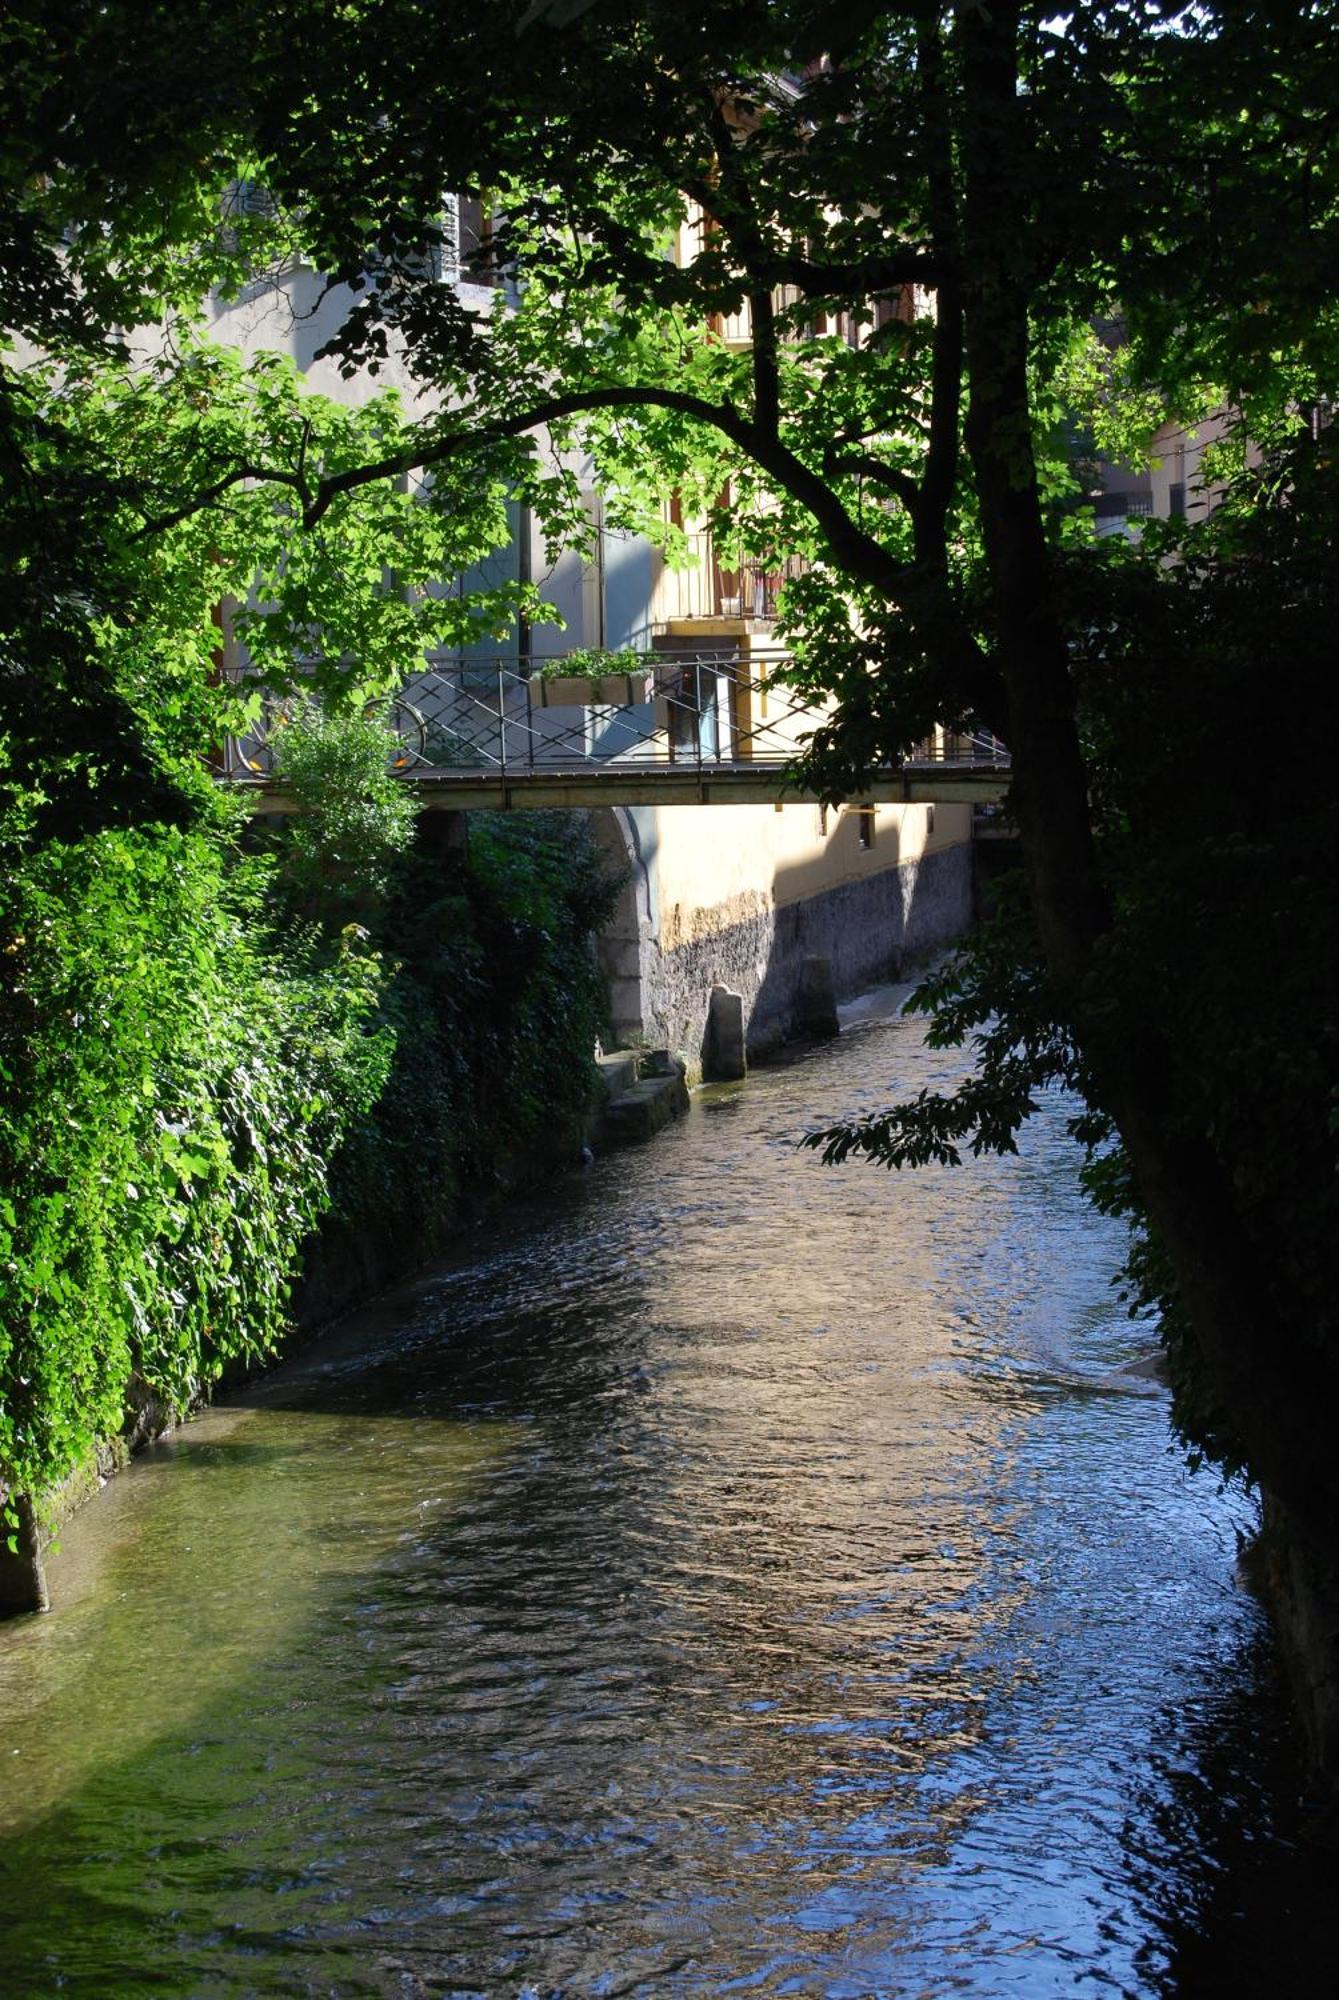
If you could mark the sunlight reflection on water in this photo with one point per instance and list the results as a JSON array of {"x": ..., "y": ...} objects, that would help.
[{"x": 725, "y": 1576}]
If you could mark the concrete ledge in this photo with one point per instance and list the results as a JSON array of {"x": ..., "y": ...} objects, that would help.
[
  {"x": 645, "y": 1108},
  {"x": 618, "y": 1071},
  {"x": 23, "y": 1584},
  {"x": 632, "y": 784},
  {"x": 22, "y": 1577}
]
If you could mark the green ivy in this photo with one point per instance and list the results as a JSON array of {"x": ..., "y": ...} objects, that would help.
[
  {"x": 495, "y": 1006},
  {"x": 353, "y": 818},
  {"x": 173, "y": 1085},
  {"x": 202, "y": 1048}
]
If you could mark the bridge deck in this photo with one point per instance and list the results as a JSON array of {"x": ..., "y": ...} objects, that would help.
[{"x": 664, "y": 785}]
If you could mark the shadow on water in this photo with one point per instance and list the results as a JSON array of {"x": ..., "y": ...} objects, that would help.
[
  {"x": 1247, "y": 1911},
  {"x": 721, "y": 1577}
]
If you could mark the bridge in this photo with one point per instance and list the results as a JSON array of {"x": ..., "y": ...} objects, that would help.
[{"x": 671, "y": 728}]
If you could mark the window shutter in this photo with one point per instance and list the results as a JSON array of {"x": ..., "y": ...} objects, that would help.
[
  {"x": 449, "y": 272},
  {"x": 251, "y": 198}
]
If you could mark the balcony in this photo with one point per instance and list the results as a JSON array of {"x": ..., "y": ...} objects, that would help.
[{"x": 723, "y": 584}]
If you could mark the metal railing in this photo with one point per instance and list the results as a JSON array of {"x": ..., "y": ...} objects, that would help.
[
  {"x": 721, "y": 582},
  {"x": 704, "y": 709},
  {"x": 975, "y": 747}
]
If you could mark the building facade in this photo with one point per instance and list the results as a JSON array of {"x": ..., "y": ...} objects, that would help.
[{"x": 738, "y": 895}]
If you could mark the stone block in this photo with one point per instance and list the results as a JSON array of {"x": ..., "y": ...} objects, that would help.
[
  {"x": 22, "y": 1576},
  {"x": 643, "y": 1110},
  {"x": 659, "y": 1062},
  {"x": 723, "y": 1050},
  {"x": 618, "y": 1070}
]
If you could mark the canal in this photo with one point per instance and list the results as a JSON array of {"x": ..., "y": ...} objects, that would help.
[{"x": 726, "y": 1575}]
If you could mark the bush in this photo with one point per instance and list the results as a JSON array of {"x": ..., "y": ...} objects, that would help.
[
  {"x": 354, "y": 816},
  {"x": 495, "y": 1003},
  {"x": 199, "y": 1051},
  {"x": 172, "y": 1089}
]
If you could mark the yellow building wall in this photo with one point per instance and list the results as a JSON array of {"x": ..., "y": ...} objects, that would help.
[{"x": 717, "y": 866}]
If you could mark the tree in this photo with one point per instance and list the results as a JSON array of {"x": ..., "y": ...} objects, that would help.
[
  {"x": 922, "y": 209},
  {"x": 179, "y": 1066}
]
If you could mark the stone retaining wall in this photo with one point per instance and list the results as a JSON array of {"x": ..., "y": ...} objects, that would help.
[{"x": 869, "y": 929}]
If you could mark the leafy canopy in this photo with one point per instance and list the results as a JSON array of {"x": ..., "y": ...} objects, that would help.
[{"x": 921, "y": 211}]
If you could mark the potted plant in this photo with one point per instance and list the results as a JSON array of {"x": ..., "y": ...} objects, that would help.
[{"x": 591, "y": 676}]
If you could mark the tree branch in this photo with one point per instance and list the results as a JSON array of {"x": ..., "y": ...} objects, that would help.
[
  {"x": 862, "y": 466},
  {"x": 496, "y": 430},
  {"x": 263, "y": 475},
  {"x": 744, "y": 231},
  {"x": 941, "y": 462},
  {"x": 858, "y": 278},
  {"x": 766, "y": 372},
  {"x": 861, "y": 278},
  {"x": 921, "y": 594}
]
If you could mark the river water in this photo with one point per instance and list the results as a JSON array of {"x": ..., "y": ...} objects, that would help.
[{"x": 726, "y": 1575}]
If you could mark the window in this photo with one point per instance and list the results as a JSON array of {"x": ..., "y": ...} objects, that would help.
[
  {"x": 246, "y": 202},
  {"x": 249, "y": 198},
  {"x": 466, "y": 255}
]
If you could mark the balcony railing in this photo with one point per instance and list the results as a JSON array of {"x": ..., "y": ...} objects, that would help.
[{"x": 724, "y": 583}]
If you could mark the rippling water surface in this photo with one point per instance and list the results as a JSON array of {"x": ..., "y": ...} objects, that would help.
[{"x": 726, "y": 1576}]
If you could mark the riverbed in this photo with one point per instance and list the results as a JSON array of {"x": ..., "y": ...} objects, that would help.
[{"x": 722, "y": 1575}]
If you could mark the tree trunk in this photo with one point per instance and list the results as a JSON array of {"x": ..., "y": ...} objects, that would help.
[{"x": 1277, "y": 1386}]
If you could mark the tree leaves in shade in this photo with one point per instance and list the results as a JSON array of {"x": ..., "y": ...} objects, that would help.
[{"x": 924, "y": 210}]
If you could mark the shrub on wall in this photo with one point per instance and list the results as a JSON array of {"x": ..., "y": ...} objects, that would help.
[
  {"x": 173, "y": 1085},
  {"x": 338, "y": 852},
  {"x": 496, "y": 1003},
  {"x": 199, "y": 1049}
]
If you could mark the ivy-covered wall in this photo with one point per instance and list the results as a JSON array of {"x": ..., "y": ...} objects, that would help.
[
  {"x": 212, "y": 1037},
  {"x": 495, "y": 1004},
  {"x": 175, "y": 1079}
]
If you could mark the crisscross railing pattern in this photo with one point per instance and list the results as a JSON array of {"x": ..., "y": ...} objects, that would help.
[{"x": 703, "y": 709}]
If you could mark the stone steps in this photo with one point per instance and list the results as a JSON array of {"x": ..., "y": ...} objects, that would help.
[
  {"x": 646, "y": 1092},
  {"x": 619, "y": 1070}
]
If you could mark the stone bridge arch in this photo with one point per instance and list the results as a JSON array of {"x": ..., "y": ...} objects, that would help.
[{"x": 625, "y": 839}]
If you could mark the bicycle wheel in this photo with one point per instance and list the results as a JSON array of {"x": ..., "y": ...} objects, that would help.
[{"x": 406, "y": 728}]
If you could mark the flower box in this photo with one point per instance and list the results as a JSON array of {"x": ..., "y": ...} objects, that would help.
[
  {"x": 561, "y": 691},
  {"x": 626, "y": 690},
  {"x": 592, "y": 690}
]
